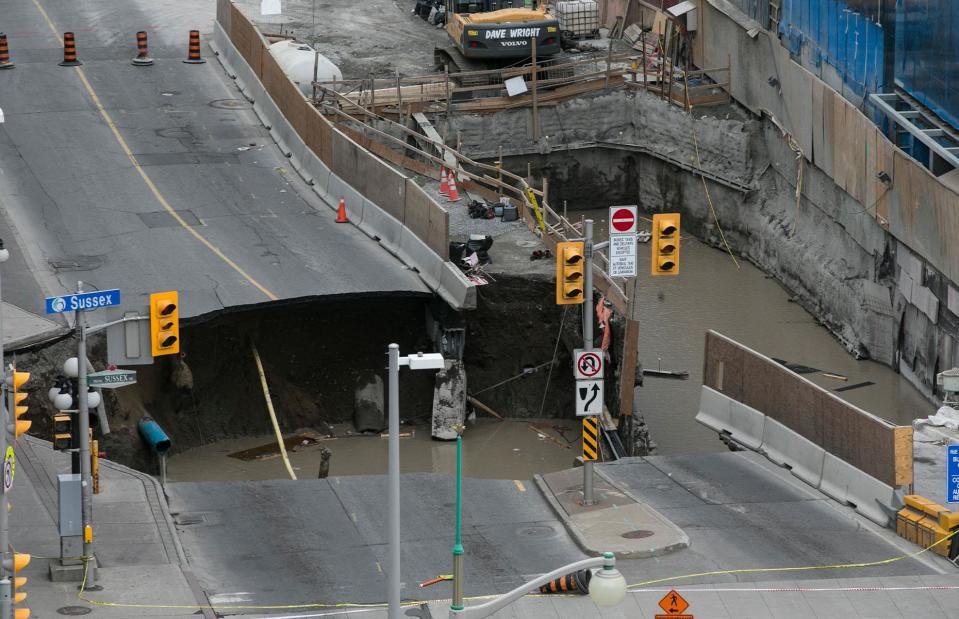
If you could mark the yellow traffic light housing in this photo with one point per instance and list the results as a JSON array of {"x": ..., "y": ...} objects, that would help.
[
  {"x": 665, "y": 244},
  {"x": 164, "y": 323},
  {"x": 62, "y": 432},
  {"x": 570, "y": 272},
  {"x": 17, "y": 562},
  {"x": 16, "y": 381}
]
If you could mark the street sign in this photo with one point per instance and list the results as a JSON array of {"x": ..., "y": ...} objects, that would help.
[
  {"x": 590, "y": 439},
  {"x": 952, "y": 474},
  {"x": 622, "y": 255},
  {"x": 674, "y": 605},
  {"x": 587, "y": 364},
  {"x": 589, "y": 397},
  {"x": 9, "y": 468},
  {"x": 111, "y": 379},
  {"x": 622, "y": 219},
  {"x": 83, "y": 301}
]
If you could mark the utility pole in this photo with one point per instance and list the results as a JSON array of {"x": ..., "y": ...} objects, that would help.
[
  {"x": 394, "y": 482},
  {"x": 83, "y": 414},
  {"x": 6, "y": 593},
  {"x": 588, "y": 337}
]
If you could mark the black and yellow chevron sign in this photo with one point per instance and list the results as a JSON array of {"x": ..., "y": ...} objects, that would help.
[{"x": 590, "y": 438}]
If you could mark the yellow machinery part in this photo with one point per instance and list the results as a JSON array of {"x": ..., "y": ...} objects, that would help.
[{"x": 507, "y": 16}]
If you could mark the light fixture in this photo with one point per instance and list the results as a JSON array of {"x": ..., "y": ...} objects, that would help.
[
  {"x": 607, "y": 588},
  {"x": 93, "y": 398},
  {"x": 426, "y": 361},
  {"x": 4, "y": 252},
  {"x": 71, "y": 368},
  {"x": 63, "y": 401}
]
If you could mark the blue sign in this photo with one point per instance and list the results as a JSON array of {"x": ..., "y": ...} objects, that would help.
[
  {"x": 952, "y": 474},
  {"x": 85, "y": 301}
]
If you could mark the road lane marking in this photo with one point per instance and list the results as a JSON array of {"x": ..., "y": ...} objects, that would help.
[
  {"x": 146, "y": 178},
  {"x": 519, "y": 485}
]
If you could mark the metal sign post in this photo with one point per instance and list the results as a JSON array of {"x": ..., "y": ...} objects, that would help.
[{"x": 588, "y": 339}]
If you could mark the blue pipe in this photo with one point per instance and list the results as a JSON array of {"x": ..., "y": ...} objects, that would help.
[{"x": 154, "y": 435}]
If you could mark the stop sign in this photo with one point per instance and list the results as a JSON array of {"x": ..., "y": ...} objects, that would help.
[{"x": 622, "y": 219}]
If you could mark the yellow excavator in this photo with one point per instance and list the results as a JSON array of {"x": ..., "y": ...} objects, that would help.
[{"x": 483, "y": 34}]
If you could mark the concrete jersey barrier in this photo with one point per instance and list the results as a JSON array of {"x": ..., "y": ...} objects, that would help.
[{"x": 388, "y": 222}]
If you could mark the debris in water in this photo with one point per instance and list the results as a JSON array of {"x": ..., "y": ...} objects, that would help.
[{"x": 272, "y": 450}]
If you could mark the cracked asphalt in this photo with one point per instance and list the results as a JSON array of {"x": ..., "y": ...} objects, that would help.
[{"x": 184, "y": 191}]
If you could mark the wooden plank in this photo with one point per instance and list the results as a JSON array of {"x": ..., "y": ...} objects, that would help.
[
  {"x": 436, "y": 138},
  {"x": 903, "y": 455},
  {"x": 856, "y": 165},
  {"x": 873, "y": 187},
  {"x": 630, "y": 359},
  {"x": 837, "y": 136}
]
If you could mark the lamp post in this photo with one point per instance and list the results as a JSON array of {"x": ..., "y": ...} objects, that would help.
[
  {"x": 457, "y": 603},
  {"x": 607, "y": 587},
  {"x": 419, "y": 361},
  {"x": 6, "y": 590}
]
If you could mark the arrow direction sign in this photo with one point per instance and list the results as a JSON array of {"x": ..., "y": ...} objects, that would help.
[
  {"x": 111, "y": 379},
  {"x": 589, "y": 397},
  {"x": 675, "y": 606}
]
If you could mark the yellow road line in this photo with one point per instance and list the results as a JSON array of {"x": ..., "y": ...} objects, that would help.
[{"x": 146, "y": 178}]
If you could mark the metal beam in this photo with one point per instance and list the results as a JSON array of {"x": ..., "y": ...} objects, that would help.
[{"x": 885, "y": 103}]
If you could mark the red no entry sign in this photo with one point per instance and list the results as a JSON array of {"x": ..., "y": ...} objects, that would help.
[{"x": 622, "y": 219}]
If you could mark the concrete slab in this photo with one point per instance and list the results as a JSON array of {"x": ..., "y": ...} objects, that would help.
[
  {"x": 22, "y": 328},
  {"x": 602, "y": 526}
]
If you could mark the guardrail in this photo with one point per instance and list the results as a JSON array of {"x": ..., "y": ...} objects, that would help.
[{"x": 382, "y": 202}]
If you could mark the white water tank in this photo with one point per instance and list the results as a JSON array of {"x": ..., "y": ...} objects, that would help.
[{"x": 297, "y": 60}]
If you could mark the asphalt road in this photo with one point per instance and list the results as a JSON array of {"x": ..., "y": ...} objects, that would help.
[
  {"x": 159, "y": 178},
  {"x": 307, "y": 541}
]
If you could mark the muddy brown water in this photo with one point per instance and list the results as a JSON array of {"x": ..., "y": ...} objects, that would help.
[
  {"x": 492, "y": 449},
  {"x": 711, "y": 292}
]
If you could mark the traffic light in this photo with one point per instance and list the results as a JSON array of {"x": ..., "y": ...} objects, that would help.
[
  {"x": 164, "y": 323},
  {"x": 11, "y": 566},
  {"x": 570, "y": 272},
  {"x": 665, "y": 244},
  {"x": 62, "y": 431},
  {"x": 15, "y": 381}
]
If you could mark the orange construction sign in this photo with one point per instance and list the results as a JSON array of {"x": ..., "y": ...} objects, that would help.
[{"x": 674, "y": 605}]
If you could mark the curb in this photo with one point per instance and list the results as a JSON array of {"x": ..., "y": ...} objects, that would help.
[{"x": 580, "y": 538}]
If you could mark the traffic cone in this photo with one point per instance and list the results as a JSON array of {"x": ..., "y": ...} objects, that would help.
[
  {"x": 69, "y": 51},
  {"x": 444, "y": 182},
  {"x": 577, "y": 581},
  {"x": 341, "y": 212},
  {"x": 142, "y": 58},
  {"x": 193, "y": 53},
  {"x": 5, "y": 53},
  {"x": 454, "y": 194}
]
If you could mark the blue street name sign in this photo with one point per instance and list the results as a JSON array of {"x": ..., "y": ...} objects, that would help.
[
  {"x": 85, "y": 301},
  {"x": 952, "y": 474}
]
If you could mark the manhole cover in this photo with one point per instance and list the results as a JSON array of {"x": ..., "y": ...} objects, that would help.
[
  {"x": 638, "y": 534},
  {"x": 537, "y": 531},
  {"x": 230, "y": 104},
  {"x": 74, "y": 611}
]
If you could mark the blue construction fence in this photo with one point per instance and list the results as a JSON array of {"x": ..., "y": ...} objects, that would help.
[
  {"x": 927, "y": 54},
  {"x": 852, "y": 43}
]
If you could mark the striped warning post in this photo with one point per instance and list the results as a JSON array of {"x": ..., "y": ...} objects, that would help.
[{"x": 590, "y": 439}]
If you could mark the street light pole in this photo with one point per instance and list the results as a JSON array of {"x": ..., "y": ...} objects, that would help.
[
  {"x": 6, "y": 592},
  {"x": 394, "y": 481},
  {"x": 83, "y": 414},
  {"x": 458, "y": 543},
  {"x": 419, "y": 361},
  {"x": 588, "y": 337}
]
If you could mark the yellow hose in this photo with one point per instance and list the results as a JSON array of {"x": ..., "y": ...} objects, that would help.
[{"x": 269, "y": 407}]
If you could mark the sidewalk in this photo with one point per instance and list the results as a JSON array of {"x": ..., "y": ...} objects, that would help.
[{"x": 141, "y": 562}]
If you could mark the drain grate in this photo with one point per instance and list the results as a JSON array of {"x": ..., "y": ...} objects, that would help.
[
  {"x": 184, "y": 520},
  {"x": 74, "y": 611},
  {"x": 638, "y": 534}
]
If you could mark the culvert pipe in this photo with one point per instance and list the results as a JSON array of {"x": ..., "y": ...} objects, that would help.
[{"x": 154, "y": 435}]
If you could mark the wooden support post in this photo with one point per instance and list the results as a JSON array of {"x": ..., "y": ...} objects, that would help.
[
  {"x": 609, "y": 62},
  {"x": 372, "y": 94},
  {"x": 545, "y": 190},
  {"x": 499, "y": 172},
  {"x": 399, "y": 98},
  {"x": 449, "y": 99},
  {"x": 645, "y": 76},
  {"x": 729, "y": 78},
  {"x": 535, "y": 97}
]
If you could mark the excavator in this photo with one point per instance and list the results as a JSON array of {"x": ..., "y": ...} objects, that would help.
[{"x": 492, "y": 33}]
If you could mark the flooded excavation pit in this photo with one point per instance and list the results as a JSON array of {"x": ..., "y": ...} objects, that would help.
[{"x": 492, "y": 449}]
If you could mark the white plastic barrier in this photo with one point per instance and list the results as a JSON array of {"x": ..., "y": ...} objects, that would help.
[
  {"x": 847, "y": 484},
  {"x": 787, "y": 448},
  {"x": 723, "y": 414}
]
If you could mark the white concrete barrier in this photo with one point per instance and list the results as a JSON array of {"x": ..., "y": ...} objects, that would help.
[
  {"x": 723, "y": 414},
  {"x": 787, "y": 448},
  {"x": 847, "y": 484},
  {"x": 436, "y": 272}
]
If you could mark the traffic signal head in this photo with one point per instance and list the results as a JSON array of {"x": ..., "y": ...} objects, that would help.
[
  {"x": 164, "y": 323},
  {"x": 17, "y": 562},
  {"x": 570, "y": 272},
  {"x": 16, "y": 380},
  {"x": 62, "y": 432},
  {"x": 665, "y": 244}
]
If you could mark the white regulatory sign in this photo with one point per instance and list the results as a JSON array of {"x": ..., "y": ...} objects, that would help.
[
  {"x": 589, "y": 397},
  {"x": 587, "y": 364},
  {"x": 622, "y": 255}
]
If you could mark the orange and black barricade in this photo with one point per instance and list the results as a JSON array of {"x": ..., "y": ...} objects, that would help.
[
  {"x": 70, "y": 51},
  {"x": 193, "y": 55}
]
